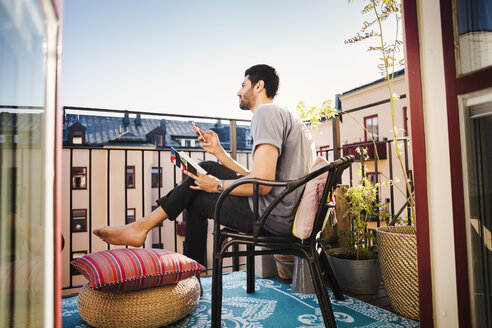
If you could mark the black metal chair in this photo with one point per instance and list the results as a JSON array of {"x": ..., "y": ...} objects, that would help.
[{"x": 308, "y": 248}]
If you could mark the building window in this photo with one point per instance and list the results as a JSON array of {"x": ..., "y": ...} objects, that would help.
[
  {"x": 74, "y": 256},
  {"x": 130, "y": 176},
  {"x": 156, "y": 177},
  {"x": 188, "y": 143},
  {"x": 159, "y": 140},
  {"x": 77, "y": 138},
  {"x": 474, "y": 21},
  {"x": 79, "y": 178},
  {"x": 372, "y": 127},
  {"x": 130, "y": 215},
  {"x": 405, "y": 121},
  {"x": 79, "y": 220},
  {"x": 371, "y": 177}
]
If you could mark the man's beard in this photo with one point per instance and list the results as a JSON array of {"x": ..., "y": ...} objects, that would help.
[
  {"x": 244, "y": 106},
  {"x": 245, "y": 102}
]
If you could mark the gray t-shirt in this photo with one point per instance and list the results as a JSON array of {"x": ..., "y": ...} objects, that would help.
[{"x": 275, "y": 125}]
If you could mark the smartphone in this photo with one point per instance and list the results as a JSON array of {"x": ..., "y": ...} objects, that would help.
[{"x": 198, "y": 129}]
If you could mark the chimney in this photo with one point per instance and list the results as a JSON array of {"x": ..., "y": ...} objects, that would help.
[
  {"x": 126, "y": 119},
  {"x": 138, "y": 120},
  {"x": 164, "y": 127}
]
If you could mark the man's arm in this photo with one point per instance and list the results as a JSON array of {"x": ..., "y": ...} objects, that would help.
[
  {"x": 264, "y": 167},
  {"x": 212, "y": 146}
]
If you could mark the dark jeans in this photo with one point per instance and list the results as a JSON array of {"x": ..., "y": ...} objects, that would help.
[{"x": 200, "y": 206}]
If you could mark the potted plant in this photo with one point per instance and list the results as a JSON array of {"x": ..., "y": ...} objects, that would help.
[
  {"x": 394, "y": 242},
  {"x": 356, "y": 266},
  {"x": 397, "y": 245}
]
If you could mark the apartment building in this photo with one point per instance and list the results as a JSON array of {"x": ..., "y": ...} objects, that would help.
[
  {"x": 115, "y": 167},
  {"x": 365, "y": 112}
]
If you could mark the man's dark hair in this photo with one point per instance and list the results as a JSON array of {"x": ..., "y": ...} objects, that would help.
[{"x": 266, "y": 73}]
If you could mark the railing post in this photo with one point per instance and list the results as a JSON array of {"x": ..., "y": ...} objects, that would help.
[
  {"x": 235, "y": 247},
  {"x": 405, "y": 148},
  {"x": 89, "y": 214},
  {"x": 392, "y": 192},
  {"x": 159, "y": 226},
  {"x": 108, "y": 186},
  {"x": 233, "y": 139},
  {"x": 376, "y": 181},
  {"x": 143, "y": 189},
  {"x": 70, "y": 245},
  {"x": 126, "y": 186},
  {"x": 336, "y": 139}
]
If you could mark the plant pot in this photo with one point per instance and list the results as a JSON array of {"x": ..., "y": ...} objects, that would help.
[
  {"x": 285, "y": 267},
  {"x": 397, "y": 246},
  {"x": 359, "y": 277}
]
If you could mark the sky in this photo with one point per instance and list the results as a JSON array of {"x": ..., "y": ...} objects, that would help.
[{"x": 189, "y": 56}]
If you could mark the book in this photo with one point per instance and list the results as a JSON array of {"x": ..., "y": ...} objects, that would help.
[{"x": 185, "y": 162}]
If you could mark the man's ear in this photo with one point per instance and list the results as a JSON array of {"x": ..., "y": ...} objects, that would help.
[{"x": 259, "y": 85}]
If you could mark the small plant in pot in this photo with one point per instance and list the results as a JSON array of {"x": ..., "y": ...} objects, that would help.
[{"x": 356, "y": 266}]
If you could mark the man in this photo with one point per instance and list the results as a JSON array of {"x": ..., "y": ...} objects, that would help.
[{"x": 282, "y": 150}]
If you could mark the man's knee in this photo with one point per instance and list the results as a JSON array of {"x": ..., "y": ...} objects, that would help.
[{"x": 209, "y": 165}]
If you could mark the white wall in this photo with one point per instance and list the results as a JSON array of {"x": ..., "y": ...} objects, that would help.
[
  {"x": 442, "y": 246},
  {"x": 80, "y": 199},
  {"x": 352, "y": 131}
]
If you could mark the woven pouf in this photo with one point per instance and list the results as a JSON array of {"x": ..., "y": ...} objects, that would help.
[{"x": 150, "y": 307}]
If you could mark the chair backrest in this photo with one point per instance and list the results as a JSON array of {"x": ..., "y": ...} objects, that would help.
[
  {"x": 333, "y": 178},
  {"x": 334, "y": 170},
  {"x": 308, "y": 205}
]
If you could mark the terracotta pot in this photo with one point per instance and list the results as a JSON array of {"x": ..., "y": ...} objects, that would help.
[{"x": 285, "y": 266}]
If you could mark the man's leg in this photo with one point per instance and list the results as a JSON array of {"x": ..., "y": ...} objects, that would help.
[
  {"x": 171, "y": 206},
  {"x": 235, "y": 214},
  {"x": 132, "y": 234},
  {"x": 195, "y": 243}
]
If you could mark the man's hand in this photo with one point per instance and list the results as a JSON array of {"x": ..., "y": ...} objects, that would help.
[
  {"x": 211, "y": 144},
  {"x": 203, "y": 182}
]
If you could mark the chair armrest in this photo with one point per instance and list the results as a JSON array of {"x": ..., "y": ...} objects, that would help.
[{"x": 256, "y": 182}]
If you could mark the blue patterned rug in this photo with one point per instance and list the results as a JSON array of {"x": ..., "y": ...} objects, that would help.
[{"x": 272, "y": 305}]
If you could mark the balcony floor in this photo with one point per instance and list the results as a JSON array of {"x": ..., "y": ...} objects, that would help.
[{"x": 272, "y": 305}]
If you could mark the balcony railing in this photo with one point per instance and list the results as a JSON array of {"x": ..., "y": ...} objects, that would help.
[
  {"x": 380, "y": 147},
  {"x": 385, "y": 152},
  {"x": 104, "y": 194}
]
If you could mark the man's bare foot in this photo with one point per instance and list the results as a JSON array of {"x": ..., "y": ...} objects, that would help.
[{"x": 130, "y": 235}]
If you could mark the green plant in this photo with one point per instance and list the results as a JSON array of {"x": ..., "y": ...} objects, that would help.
[
  {"x": 362, "y": 200},
  {"x": 382, "y": 10},
  {"x": 314, "y": 115}
]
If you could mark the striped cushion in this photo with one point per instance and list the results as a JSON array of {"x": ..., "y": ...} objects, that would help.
[{"x": 134, "y": 269}]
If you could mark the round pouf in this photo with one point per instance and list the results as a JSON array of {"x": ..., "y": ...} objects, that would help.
[{"x": 150, "y": 307}]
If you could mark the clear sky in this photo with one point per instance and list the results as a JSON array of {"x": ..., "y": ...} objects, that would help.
[{"x": 189, "y": 56}]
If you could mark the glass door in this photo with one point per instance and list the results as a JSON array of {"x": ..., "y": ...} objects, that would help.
[
  {"x": 479, "y": 211},
  {"x": 27, "y": 50}
]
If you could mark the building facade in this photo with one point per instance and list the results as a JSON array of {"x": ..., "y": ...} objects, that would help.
[{"x": 114, "y": 170}]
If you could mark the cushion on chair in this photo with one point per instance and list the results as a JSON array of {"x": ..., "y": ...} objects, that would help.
[
  {"x": 133, "y": 269},
  {"x": 306, "y": 212},
  {"x": 150, "y": 307}
]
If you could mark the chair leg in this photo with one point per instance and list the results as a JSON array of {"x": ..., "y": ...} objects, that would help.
[
  {"x": 321, "y": 292},
  {"x": 332, "y": 280},
  {"x": 216, "y": 291},
  {"x": 250, "y": 271}
]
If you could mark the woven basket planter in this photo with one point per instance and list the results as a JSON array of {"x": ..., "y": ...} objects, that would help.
[
  {"x": 150, "y": 307},
  {"x": 397, "y": 247}
]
